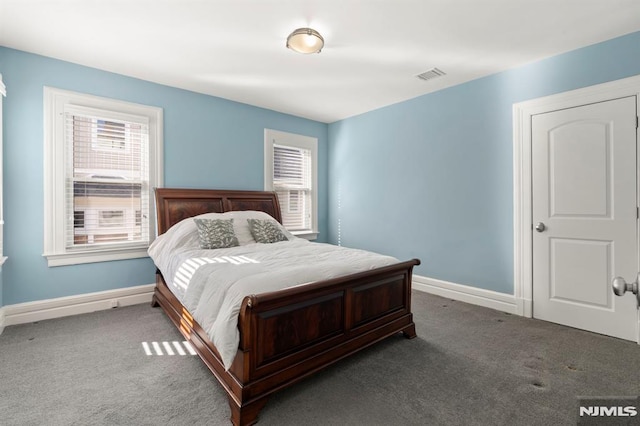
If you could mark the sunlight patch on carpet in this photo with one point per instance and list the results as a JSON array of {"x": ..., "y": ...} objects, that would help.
[{"x": 168, "y": 348}]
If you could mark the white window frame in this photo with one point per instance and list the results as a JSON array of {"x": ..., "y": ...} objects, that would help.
[
  {"x": 3, "y": 93},
  {"x": 55, "y": 221},
  {"x": 275, "y": 137}
]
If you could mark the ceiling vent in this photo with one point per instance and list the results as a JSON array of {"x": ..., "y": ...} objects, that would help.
[{"x": 431, "y": 74}]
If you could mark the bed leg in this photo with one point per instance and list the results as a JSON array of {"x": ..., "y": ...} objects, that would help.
[
  {"x": 154, "y": 302},
  {"x": 410, "y": 331},
  {"x": 246, "y": 414}
]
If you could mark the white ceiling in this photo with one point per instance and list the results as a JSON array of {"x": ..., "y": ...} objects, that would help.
[{"x": 235, "y": 49}]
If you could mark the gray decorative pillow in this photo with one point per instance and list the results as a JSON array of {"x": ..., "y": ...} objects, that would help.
[
  {"x": 216, "y": 233},
  {"x": 266, "y": 231}
]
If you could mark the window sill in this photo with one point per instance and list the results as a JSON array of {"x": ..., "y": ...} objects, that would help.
[
  {"x": 307, "y": 235},
  {"x": 77, "y": 258}
]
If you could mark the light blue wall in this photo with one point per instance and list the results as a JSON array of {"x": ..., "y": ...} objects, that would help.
[
  {"x": 208, "y": 143},
  {"x": 428, "y": 178},
  {"x": 432, "y": 177}
]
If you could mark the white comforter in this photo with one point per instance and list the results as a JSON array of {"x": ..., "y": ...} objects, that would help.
[{"x": 211, "y": 284}]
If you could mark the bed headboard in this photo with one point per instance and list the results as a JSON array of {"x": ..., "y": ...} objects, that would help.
[{"x": 175, "y": 204}]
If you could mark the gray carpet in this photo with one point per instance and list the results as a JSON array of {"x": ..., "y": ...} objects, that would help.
[{"x": 468, "y": 366}]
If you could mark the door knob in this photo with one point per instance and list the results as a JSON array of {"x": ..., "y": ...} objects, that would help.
[
  {"x": 540, "y": 227},
  {"x": 620, "y": 287}
]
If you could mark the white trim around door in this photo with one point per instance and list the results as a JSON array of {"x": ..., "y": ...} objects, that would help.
[{"x": 522, "y": 172}]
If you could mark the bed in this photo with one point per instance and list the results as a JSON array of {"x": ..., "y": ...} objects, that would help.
[{"x": 284, "y": 335}]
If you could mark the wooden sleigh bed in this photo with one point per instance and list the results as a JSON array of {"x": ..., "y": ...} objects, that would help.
[{"x": 279, "y": 344}]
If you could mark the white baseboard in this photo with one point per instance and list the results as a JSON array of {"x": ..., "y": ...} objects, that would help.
[
  {"x": 1, "y": 319},
  {"x": 22, "y": 313},
  {"x": 464, "y": 293},
  {"x": 73, "y": 305}
]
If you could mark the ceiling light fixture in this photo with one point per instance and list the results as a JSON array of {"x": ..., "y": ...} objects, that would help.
[{"x": 305, "y": 40}]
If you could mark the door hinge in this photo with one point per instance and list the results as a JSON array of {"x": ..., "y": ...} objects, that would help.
[{"x": 637, "y": 212}]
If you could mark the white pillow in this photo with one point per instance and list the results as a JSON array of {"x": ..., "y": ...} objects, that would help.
[
  {"x": 240, "y": 224},
  {"x": 184, "y": 234}
]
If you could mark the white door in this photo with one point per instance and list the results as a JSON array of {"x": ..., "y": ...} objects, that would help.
[{"x": 585, "y": 216}]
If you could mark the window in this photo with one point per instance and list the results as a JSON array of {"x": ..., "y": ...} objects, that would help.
[
  {"x": 110, "y": 136},
  {"x": 291, "y": 171},
  {"x": 102, "y": 160}
]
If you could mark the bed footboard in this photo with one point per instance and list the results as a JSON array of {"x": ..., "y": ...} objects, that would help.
[{"x": 289, "y": 334}]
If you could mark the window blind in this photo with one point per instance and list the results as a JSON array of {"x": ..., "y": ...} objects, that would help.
[
  {"x": 292, "y": 181},
  {"x": 106, "y": 179}
]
